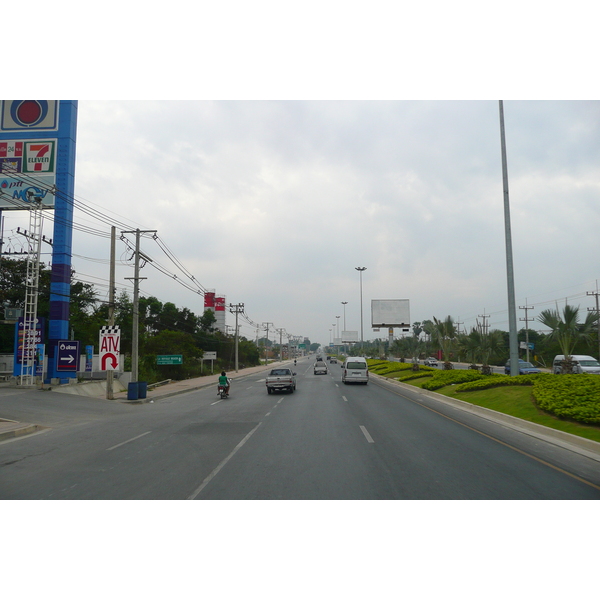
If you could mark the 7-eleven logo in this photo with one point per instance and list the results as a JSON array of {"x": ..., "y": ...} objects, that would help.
[{"x": 39, "y": 157}]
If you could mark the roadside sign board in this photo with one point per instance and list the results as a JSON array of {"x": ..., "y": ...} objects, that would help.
[
  {"x": 110, "y": 346},
  {"x": 89, "y": 356},
  {"x": 209, "y": 356},
  {"x": 39, "y": 359},
  {"x": 68, "y": 355},
  {"x": 169, "y": 359}
]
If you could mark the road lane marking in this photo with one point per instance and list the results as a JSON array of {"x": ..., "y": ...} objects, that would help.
[
  {"x": 345, "y": 399},
  {"x": 280, "y": 401},
  {"x": 217, "y": 402},
  {"x": 222, "y": 464},
  {"x": 369, "y": 438},
  {"x": 127, "y": 441}
]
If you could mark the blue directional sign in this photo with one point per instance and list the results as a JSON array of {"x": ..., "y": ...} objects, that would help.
[{"x": 67, "y": 355}]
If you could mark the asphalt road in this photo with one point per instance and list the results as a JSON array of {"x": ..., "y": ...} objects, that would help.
[{"x": 325, "y": 441}]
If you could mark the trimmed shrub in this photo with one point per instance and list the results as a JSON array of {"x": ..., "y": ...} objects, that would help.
[
  {"x": 574, "y": 397},
  {"x": 414, "y": 375},
  {"x": 498, "y": 380},
  {"x": 441, "y": 379},
  {"x": 388, "y": 367}
]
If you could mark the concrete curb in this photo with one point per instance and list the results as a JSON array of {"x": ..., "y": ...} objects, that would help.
[
  {"x": 12, "y": 429},
  {"x": 572, "y": 442}
]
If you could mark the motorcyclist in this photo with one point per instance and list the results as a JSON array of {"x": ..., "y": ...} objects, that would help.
[{"x": 224, "y": 381}]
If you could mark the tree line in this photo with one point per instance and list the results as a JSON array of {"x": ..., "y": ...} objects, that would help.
[
  {"x": 163, "y": 327},
  {"x": 570, "y": 333}
]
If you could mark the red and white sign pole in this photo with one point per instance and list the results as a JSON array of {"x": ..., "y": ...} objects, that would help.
[{"x": 110, "y": 345}]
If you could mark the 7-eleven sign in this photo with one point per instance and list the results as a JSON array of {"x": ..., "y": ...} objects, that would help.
[
  {"x": 110, "y": 344},
  {"x": 39, "y": 157}
]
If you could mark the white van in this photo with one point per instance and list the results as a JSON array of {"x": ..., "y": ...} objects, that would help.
[
  {"x": 581, "y": 364},
  {"x": 355, "y": 370}
]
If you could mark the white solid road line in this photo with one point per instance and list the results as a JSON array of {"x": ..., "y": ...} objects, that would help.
[
  {"x": 223, "y": 463},
  {"x": 367, "y": 435},
  {"x": 127, "y": 442}
]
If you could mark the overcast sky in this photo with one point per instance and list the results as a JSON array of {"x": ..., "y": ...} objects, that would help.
[
  {"x": 274, "y": 197},
  {"x": 274, "y": 204}
]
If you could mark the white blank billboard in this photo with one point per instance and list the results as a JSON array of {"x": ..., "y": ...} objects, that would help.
[
  {"x": 390, "y": 313},
  {"x": 349, "y": 337}
]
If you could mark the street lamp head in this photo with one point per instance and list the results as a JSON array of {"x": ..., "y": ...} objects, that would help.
[{"x": 361, "y": 268}]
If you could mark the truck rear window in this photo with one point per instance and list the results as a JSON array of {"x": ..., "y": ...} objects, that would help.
[
  {"x": 356, "y": 365},
  {"x": 276, "y": 372}
]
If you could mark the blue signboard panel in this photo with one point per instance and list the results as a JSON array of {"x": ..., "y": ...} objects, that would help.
[
  {"x": 37, "y": 161},
  {"x": 67, "y": 356}
]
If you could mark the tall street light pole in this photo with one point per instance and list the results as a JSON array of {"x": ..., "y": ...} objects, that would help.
[
  {"x": 360, "y": 270},
  {"x": 512, "y": 310},
  {"x": 344, "y": 304}
]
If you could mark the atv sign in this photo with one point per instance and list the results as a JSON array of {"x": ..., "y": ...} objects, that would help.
[{"x": 110, "y": 345}]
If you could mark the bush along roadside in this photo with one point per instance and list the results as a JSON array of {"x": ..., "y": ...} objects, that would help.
[
  {"x": 441, "y": 379},
  {"x": 485, "y": 383},
  {"x": 388, "y": 368},
  {"x": 575, "y": 397}
]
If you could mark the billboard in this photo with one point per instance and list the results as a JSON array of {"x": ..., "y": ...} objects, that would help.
[
  {"x": 28, "y": 153},
  {"x": 390, "y": 313},
  {"x": 37, "y": 166},
  {"x": 349, "y": 337}
]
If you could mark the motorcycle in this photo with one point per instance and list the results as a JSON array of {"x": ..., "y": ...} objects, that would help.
[{"x": 222, "y": 391}]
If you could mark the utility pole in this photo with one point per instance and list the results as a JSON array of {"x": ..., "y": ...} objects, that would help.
[
  {"x": 281, "y": 330},
  {"x": 111, "y": 306},
  {"x": 267, "y": 344},
  {"x": 485, "y": 325},
  {"x": 135, "y": 334},
  {"x": 458, "y": 324},
  {"x": 526, "y": 319},
  {"x": 237, "y": 309},
  {"x": 512, "y": 312},
  {"x": 596, "y": 293}
]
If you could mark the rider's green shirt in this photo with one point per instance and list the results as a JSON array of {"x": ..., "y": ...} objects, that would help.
[{"x": 223, "y": 380}]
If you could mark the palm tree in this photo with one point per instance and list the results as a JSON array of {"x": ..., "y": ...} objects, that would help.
[
  {"x": 480, "y": 344},
  {"x": 567, "y": 331},
  {"x": 444, "y": 332}
]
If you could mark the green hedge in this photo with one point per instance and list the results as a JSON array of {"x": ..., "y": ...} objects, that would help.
[
  {"x": 497, "y": 380},
  {"x": 574, "y": 397},
  {"x": 441, "y": 379},
  {"x": 414, "y": 375},
  {"x": 388, "y": 367}
]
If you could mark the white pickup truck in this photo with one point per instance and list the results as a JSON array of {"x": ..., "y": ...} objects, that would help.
[
  {"x": 281, "y": 379},
  {"x": 320, "y": 367}
]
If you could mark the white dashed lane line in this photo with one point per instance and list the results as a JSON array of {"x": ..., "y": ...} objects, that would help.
[{"x": 367, "y": 435}]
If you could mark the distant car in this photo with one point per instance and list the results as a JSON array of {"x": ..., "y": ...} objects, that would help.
[
  {"x": 281, "y": 379},
  {"x": 525, "y": 368},
  {"x": 430, "y": 362},
  {"x": 333, "y": 360},
  {"x": 320, "y": 368}
]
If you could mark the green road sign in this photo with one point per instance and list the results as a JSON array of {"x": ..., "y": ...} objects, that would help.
[{"x": 169, "y": 359}]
